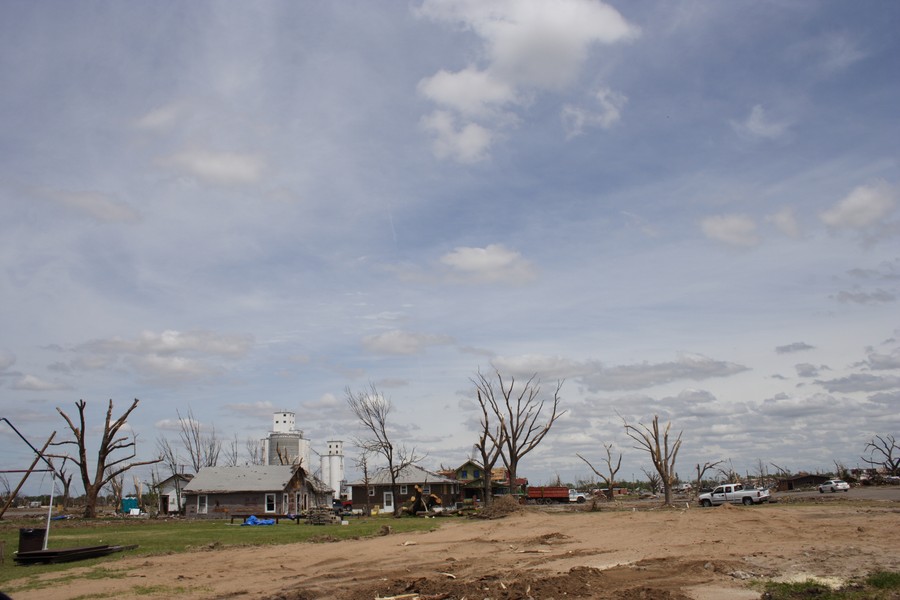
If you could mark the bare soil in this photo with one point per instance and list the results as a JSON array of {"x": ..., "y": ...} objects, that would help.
[{"x": 685, "y": 553}]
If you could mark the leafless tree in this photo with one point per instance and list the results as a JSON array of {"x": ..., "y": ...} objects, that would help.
[
  {"x": 65, "y": 479},
  {"x": 489, "y": 445},
  {"x": 362, "y": 463},
  {"x": 656, "y": 443},
  {"x": 203, "y": 449},
  {"x": 702, "y": 469},
  {"x": 232, "y": 457},
  {"x": 373, "y": 411},
  {"x": 5, "y": 489},
  {"x": 884, "y": 453},
  {"x": 109, "y": 463},
  {"x": 518, "y": 412},
  {"x": 653, "y": 479},
  {"x": 256, "y": 452},
  {"x": 609, "y": 475},
  {"x": 729, "y": 474},
  {"x": 117, "y": 489}
]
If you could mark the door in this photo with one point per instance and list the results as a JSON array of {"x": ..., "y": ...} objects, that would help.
[{"x": 389, "y": 502}]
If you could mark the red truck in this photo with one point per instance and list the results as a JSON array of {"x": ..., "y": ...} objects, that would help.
[{"x": 549, "y": 495}]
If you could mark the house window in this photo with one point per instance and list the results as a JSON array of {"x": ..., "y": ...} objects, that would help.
[
  {"x": 464, "y": 474},
  {"x": 372, "y": 492},
  {"x": 426, "y": 489},
  {"x": 202, "y": 503},
  {"x": 285, "y": 504},
  {"x": 476, "y": 474},
  {"x": 403, "y": 490},
  {"x": 270, "y": 503}
]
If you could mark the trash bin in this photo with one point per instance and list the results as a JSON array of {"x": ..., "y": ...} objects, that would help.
[{"x": 31, "y": 539}]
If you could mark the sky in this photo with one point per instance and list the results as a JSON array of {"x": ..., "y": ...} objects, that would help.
[{"x": 678, "y": 209}]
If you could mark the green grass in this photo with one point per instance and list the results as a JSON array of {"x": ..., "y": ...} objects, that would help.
[
  {"x": 155, "y": 537},
  {"x": 882, "y": 585}
]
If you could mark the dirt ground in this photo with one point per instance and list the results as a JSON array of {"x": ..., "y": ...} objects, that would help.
[{"x": 660, "y": 554}]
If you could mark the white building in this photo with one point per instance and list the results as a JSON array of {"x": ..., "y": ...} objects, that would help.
[{"x": 285, "y": 445}]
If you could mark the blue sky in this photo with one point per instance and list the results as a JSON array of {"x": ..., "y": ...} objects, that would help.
[{"x": 685, "y": 209}]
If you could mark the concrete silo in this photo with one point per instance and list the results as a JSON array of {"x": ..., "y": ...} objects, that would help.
[
  {"x": 333, "y": 467},
  {"x": 285, "y": 445}
]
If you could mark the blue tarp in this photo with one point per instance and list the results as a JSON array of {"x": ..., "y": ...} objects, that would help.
[{"x": 251, "y": 520}]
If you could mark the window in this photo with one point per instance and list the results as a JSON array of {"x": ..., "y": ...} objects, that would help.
[
  {"x": 202, "y": 503},
  {"x": 464, "y": 474},
  {"x": 476, "y": 474},
  {"x": 403, "y": 490},
  {"x": 426, "y": 489},
  {"x": 270, "y": 503},
  {"x": 285, "y": 504},
  {"x": 372, "y": 492}
]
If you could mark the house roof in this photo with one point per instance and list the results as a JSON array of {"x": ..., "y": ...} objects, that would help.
[
  {"x": 257, "y": 478},
  {"x": 409, "y": 475},
  {"x": 181, "y": 476}
]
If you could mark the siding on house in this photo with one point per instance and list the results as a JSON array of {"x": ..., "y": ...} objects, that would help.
[
  {"x": 445, "y": 488},
  {"x": 260, "y": 490}
]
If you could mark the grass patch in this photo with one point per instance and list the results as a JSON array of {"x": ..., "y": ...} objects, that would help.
[
  {"x": 882, "y": 585},
  {"x": 155, "y": 537}
]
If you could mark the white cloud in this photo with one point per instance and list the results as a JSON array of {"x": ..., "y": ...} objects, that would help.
[
  {"x": 96, "y": 205},
  {"x": 786, "y": 222},
  {"x": 466, "y": 144},
  {"x": 736, "y": 230},
  {"x": 403, "y": 342},
  {"x": 492, "y": 264},
  {"x": 222, "y": 168},
  {"x": 36, "y": 384},
  {"x": 863, "y": 207},
  {"x": 576, "y": 119},
  {"x": 759, "y": 125},
  {"x": 172, "y": 341},
  {"x": 470, "y": 92},
  {"x": 170, "y": 368},
  {"x": 159, "y": 118},
  {"x": 527, "y": 45}
]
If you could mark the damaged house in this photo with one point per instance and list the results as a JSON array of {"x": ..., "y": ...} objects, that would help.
[{"x": 257, "y": 490}]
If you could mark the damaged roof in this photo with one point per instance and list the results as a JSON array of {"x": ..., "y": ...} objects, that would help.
[{"x": 257, "y": 478}]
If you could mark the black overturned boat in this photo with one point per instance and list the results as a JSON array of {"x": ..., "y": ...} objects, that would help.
[{"x": 61, "y": 555}]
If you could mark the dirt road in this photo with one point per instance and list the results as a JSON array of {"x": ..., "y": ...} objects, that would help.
[{"x": 672, "y": 554}]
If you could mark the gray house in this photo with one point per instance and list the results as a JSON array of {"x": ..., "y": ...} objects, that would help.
[
  {"x": 257, "y": 490},
  {"x": 378, "y": 491}
]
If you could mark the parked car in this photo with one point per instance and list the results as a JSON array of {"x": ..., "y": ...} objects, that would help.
[
  {"x": 734, "y": 493},
  {"x": 834, "y": 485}
]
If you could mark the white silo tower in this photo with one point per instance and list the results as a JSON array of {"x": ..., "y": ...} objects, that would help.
[
  {"x": 286, "y": 444},
  {"x": 333, "y": 466}
]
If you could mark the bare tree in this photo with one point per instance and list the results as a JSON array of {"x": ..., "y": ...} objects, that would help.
[
  {"x": 169, "y": 457},
  {"x": 702, "y": 469},
  {"x": 362, "y": 463},
  {"x": 656, "y": 443},
  {"x": 108, "y": 464},
  {"x": 884, "y": 453},
  {"x": 256, "y": 452},
  {"x": 489, "y": 445},
  {"x": 117, "y": 488},
  {"x": 653, "y": 480},
  {"x": 373, "y": 410},
  {"x": 66, "y": 480},
  {"x": 232, "y": 457},
  {"x": 609, "y": 475},
  {"x": 729, "y": 474},
  {"x": 518, "y": 413},
  {"x": 203, "y": 449}
]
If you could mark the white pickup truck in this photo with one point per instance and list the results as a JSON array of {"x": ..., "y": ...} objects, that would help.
[{"x": 735, "y": 493}]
